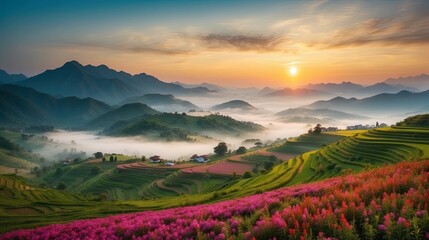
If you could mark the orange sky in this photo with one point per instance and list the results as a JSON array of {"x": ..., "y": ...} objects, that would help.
[{"x": 236, "y": 44}]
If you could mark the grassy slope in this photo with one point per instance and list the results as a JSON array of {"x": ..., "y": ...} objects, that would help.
[
  {"x": 358, "y": 151},
  {"x": 168, "y": 121}
]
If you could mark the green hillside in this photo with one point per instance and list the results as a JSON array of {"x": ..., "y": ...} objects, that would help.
[
  {"x": 22, "y": 107},
  {"x": 182, "y": 123},
  {"x": 318, "y": 156},
  {"x": 14, "y": 156},
  {"x": 163, "y": 102},
  {"x": 123, "y": 113},
  {"x": 415, "y": 121}
]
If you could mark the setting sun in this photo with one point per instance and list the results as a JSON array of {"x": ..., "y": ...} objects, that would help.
[{"x": 293, "y": 71}]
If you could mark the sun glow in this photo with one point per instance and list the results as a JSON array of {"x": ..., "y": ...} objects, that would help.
[{"x": 293, "y": 71}]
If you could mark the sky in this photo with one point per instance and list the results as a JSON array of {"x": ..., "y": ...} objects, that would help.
[{"x": 231, "y": 43}]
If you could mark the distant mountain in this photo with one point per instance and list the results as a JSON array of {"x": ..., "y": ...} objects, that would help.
[
  {"x": 181, "y": 126},
  {"x": 16, "y": 111},
  {"x": 357, "y": 90},
  {"x": 319, "y": 113},
  {"x": 210, "y": 86},
  {"x": 420, "y": 82},
  {"x": 10, "y": 78},
  {"x": 102, "y": 83},
  {"x": 379, "y": 88},
  {"x": 297, "y": 92},
  {"x": 344, "y": 88},
  {"x": 163, "y": 102},
  {"x": 267, "y": 90},
  {"x": 24, "y": 106},
  {"x": 145, "y": 83},
  {"x": 234, "y": 104},
  {"x": 72, "y": 79},
  {"x": 125, "y": 112},
  {"x": 385, "y": 103}
]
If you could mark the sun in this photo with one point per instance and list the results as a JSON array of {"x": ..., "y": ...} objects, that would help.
[{"x": 293, "y": 71}]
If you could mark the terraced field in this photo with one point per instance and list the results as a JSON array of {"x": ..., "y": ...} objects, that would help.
[
  {"x": 306, "y": 143},
  {"x": 317, "y": 156},
  {"x": 125, "y": 184},
  {"x": 13, "y": 188}
]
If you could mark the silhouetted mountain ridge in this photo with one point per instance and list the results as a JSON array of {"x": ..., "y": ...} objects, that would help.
[
  {"x": 10, "y": 78},
  {"x": 26, "y": 106},
  {"x": 385, "y": 103},
  {"x": 102, "y": 83}
]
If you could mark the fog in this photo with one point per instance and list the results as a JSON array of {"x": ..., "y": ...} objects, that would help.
[{"x": 91, "y": 142}]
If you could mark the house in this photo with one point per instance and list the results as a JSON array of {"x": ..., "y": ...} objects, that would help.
[
  {"x": 155, "y": 159},
  {"x": 200, "y": 159}
]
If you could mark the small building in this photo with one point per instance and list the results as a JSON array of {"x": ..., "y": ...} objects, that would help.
[
  {"x": 66, "y": 162},
  {"x": 200, "y": 158},
  {"x": 155, "y": 159},
  {"x": 169, "y": 164}
]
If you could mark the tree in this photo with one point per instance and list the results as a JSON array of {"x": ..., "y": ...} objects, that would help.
[
  {"x": 143, "y": 159},
  {"x": 116, "y": 159},
  {"x": 317, "y": 129},
  {"x": 268, "y": 165},
  {"x": 241, "y": 150},
  {"x": 61, "y": 186},
  {"x": 258, "y": 144},
  {"x": 272, "y": 158},
  {"x": 98, "y": 155},
  {"x": 103, "y": 159},
  {"x": 221, "y": 149},
  {"x": 247, "y": 174},
  {"x": 111, "y": 158},
  {"x": 95, "y": 170}
]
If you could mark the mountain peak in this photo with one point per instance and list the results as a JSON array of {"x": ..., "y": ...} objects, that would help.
[{"x": 72, "y": 64}]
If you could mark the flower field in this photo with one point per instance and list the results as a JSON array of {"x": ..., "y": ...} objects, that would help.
[{"x": 386, "y": 203}]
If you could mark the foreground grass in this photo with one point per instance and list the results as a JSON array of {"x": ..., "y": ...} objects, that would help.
[
  {"x": 386, "y": 203},
  {"x": 357, "y": 152}
]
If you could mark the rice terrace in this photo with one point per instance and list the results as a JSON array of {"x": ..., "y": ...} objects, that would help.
[{"x": 214, "y": 120}]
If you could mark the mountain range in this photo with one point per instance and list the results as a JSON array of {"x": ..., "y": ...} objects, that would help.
[
  {"x": 420, "y": 81},
  {"x": 123, "y": 113},
  {"x": 23, "y": 106},
  {"x": 357, "y": 90},
  {"x": 297, "y": 92},
  {"x": 10, "y": 78},
  {"x": 163, "y": 102},
  {"x": 101, "y": 83},
  {"x": 385, "y": 103}
]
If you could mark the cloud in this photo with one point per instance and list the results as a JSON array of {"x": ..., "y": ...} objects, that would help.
[
  {"x": 241, "y": 42},
  {"x": 183, "y": 44},
  {"x": 166, "y": 46},
  {"x": 408, "y": 26}
]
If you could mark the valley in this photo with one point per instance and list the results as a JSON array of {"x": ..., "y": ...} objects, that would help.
[{"x": 214, "y": 120}]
